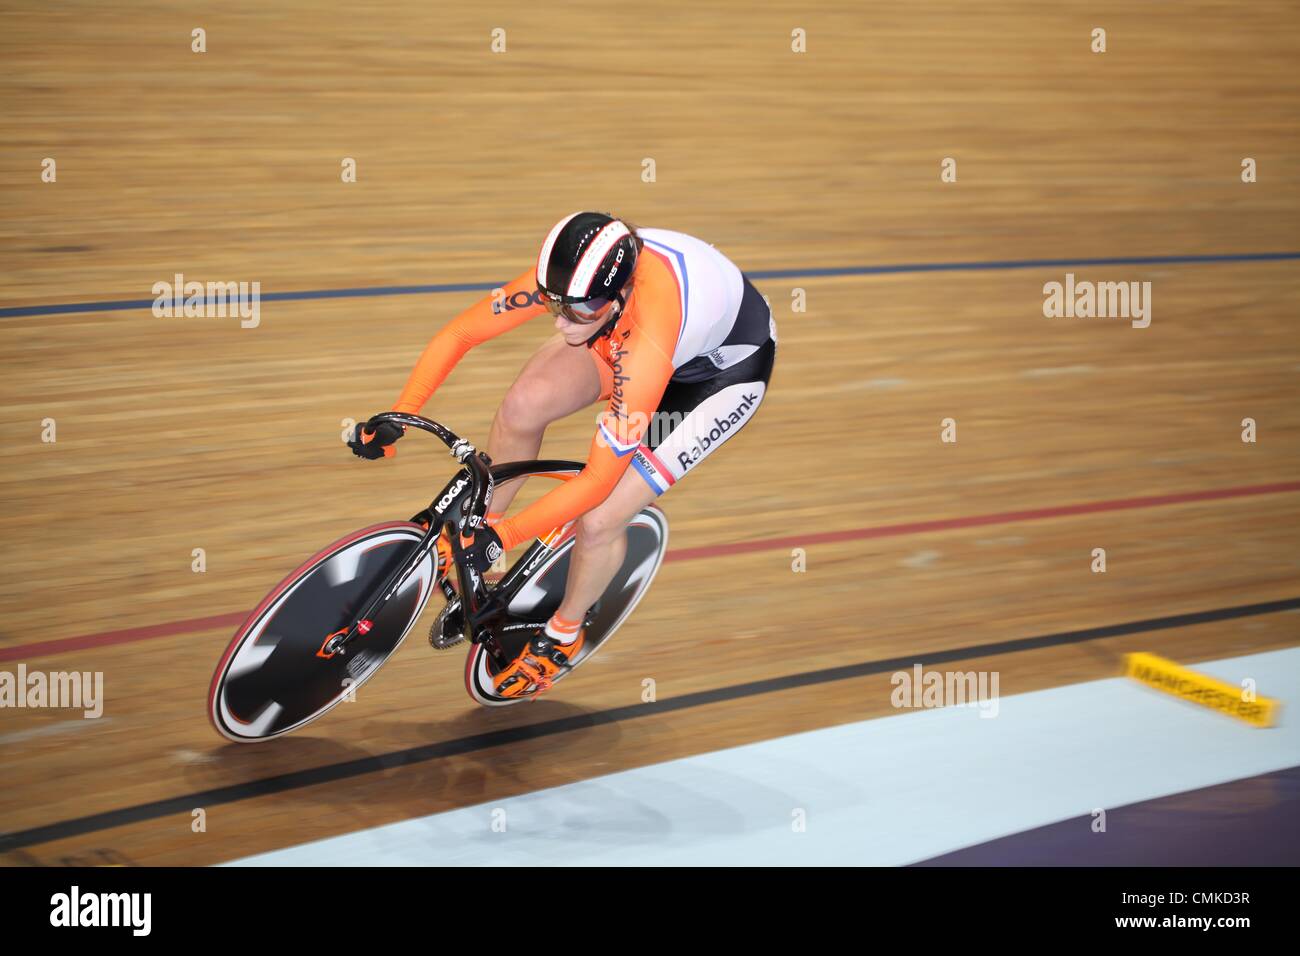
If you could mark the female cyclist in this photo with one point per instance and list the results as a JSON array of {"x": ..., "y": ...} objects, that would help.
[{"x": 660, "y": 325}]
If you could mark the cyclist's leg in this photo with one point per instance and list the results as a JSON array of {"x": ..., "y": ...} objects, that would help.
[
  {"x": 601, "y": 544},
  {"x": 555, "y": 382},
  {"x": 693, "y": 421}
]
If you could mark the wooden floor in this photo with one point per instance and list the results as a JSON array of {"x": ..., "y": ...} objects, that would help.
[{"x": 180, "y": 434}]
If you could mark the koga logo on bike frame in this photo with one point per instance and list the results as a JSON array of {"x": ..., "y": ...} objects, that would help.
[
  {"x": 450, "y": 496},
  {"x": 537, "y": 559},
  {"x": 549, "y": 543}
]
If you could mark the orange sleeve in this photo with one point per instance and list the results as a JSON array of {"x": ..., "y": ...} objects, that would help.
[
  {"x": 643, "y": 357},
  {"x": 487, "y": 318}
]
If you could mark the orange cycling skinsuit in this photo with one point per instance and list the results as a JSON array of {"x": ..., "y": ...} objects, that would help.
[{"x": 683, "y": 367}]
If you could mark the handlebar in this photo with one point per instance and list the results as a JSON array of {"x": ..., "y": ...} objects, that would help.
[
  {"x": 476, "y": 461},
  {"x": 478, "y": 605}
]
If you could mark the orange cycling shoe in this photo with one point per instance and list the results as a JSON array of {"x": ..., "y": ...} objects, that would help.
[{"x": 539, "y": 662}]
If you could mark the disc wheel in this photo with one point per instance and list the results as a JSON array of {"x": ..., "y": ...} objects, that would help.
[
  {"x": 272, "y": 678},
  {"x": 538, "y": 599}
]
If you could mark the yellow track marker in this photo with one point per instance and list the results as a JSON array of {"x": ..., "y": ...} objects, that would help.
[{"x": 1165, "y": 675}]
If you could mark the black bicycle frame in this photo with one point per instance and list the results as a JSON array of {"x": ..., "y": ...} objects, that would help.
[{"x": 483, "y": 609}]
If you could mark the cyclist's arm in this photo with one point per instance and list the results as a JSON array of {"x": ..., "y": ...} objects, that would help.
[
  {"x": 480, "y": 322},
  {"x": 646, "y": 368}
]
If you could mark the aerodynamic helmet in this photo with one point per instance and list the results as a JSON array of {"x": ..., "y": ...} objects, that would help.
[{"x": 584, "y": 265}]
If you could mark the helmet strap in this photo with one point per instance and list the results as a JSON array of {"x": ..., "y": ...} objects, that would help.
[{"x": 608, "y": 327}]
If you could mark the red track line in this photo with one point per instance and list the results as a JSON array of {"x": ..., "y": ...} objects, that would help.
[
  {"x": 127, "y": 636},
  {"x": 170, "y": 629}
]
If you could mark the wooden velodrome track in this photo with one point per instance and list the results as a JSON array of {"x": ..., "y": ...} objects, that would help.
[{"x": 177, "y": 434}]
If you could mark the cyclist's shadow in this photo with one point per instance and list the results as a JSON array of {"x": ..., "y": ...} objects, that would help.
[
  {"x": 281, "y": 765},
  {"x": 478, "y": 753},
  {"x": 499, "y": 749}
]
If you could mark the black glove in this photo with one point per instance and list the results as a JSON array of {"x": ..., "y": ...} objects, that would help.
[
  {"x": 375, "y": 445},
  {"x": 483, "y": 551}
]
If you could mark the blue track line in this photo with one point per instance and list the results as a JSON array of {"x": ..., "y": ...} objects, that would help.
[{"x": 804, "y": 273}]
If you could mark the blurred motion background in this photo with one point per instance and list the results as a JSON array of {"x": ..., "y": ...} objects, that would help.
[{"x": 811, "y": 170}]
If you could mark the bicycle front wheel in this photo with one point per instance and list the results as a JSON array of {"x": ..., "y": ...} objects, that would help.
[{"x": 271, "y": 680}]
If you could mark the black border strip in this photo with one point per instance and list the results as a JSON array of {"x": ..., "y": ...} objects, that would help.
[{"x": 401, "y": 758}]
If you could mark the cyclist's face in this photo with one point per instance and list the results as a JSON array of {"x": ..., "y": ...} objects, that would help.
[{"x": 577, "y": 333}]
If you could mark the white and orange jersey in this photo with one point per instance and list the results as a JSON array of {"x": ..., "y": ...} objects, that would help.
[{"x": 683, "y": 321}]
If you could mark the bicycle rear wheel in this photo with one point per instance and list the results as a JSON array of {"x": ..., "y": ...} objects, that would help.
[
  {"x": 647, "y": 540},
  {"x": 271, "y": 679}
]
